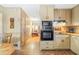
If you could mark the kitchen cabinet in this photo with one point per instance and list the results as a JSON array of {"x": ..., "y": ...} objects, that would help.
[
  {"x": 75, "y": 44},
  {"x": 47, "y": 12},
  {"x": 60, "y": 14},
  {"x": 59, "y": 42},
  {"x": 63, "y": 14},
  {"x": 75, "y": 15},
  {"x": 46, "y": 45}
]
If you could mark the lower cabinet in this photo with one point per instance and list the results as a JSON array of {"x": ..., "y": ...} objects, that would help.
[
  {"x": 75, "y": 44},
  {"x": 46, "y": 45},
  {"x": 62, "y": 42},
  {"x": 59, "y": 42}
]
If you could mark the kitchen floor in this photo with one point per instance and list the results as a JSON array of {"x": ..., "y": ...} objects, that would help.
[{"x": 32, "y": 48}]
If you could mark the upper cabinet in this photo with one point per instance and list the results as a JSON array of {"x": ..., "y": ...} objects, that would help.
[
  {"x": 60, "y": 14},
  {"x": 75, "y": 15},
  {"x": 47, "y": 12},
  {"x": 63, "y": 14}
]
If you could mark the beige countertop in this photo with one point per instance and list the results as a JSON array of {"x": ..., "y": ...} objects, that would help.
[{"x": 65, "y": 33}]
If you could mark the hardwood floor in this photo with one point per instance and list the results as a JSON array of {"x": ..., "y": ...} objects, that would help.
[
  {"x": 55, "y": 52},
  {"x": 58, "y": 52},
  {"x": 32, "y": 48}
]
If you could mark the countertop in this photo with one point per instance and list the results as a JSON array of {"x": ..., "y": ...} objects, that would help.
[{"x": 66, "y": 33}]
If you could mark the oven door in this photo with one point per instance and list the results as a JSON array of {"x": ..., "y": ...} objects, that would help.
[
  {"x": 47, "y": 28},
  {"x": 46, "y": 35}
]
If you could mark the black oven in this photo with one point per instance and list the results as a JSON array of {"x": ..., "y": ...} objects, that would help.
[
  {"x": 47, "y": 31},
  {"x": 46, "y": 35},
  {"x": 46, "y": 25},
  {"x": 47, "y": 28}
]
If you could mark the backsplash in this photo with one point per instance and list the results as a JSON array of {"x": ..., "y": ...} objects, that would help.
[{"x": 67, "y": 29}]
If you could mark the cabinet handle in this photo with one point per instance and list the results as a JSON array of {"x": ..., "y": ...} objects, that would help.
[
  {"x": 59, "y": 17},
  {"x": 46, "y": 47},
  {"x": 62, "y": 40},
  {"x": 46, "y": 42}
]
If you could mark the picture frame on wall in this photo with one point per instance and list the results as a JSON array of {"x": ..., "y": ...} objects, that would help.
[{"x": 11, "y": 23}]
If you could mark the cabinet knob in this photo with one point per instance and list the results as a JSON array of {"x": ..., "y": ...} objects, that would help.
[
  {"x": 46, "y": 47},
  {"x": 47, "y": 17},
  {"x": 59, "y": 17},
  {"x": 62, "y": 40}
]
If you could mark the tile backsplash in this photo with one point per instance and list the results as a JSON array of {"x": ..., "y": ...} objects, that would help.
[
  {"x": 68, "y": 29},
  {"x": 72, "y": 29}
]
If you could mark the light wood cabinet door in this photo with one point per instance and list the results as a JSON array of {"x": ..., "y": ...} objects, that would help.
[
  {"x": 69, "y": 16},
  {"x": 43, "y": 12},
  {"x": 61, "y": 42},
  {"x": 75, "y": 44},
  {"x": 47, "y": 12},
  {"x": 50, "y": 12},
  {"x": 46, "y": 45},
  {"x": 65, "y": 43},
  {"x": 60, "y": 14},
  {"x": 57, "y": 44},
  {"x": 63, "y": 14}
]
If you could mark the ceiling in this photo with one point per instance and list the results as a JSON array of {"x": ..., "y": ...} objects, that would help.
[
  {"x": 65, "y": 6},
  {"x": 33, "y": 9}
]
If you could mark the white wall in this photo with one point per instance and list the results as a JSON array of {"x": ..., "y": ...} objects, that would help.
[
  {"x": 33, "y": 13},
  {"x": 1, "y": 32},
  {"x": 14, "y": 13},
  {"x": 32, "y": 10},
  {"x": 1, "y": 23}
]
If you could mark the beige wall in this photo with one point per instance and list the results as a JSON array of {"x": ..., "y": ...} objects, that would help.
[
  {"x": 23, "y": 27},
  {"x": 14, "y": 13},
  {"x": 1, "y": 23},
  {"x": 19, "y": 27},
  {"x": 28, "y": 27}
]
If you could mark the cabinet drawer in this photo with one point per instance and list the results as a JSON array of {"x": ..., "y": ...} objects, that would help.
[
  {"x": 47, "y": 47},
  {"x": 46, "y": 42}
]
